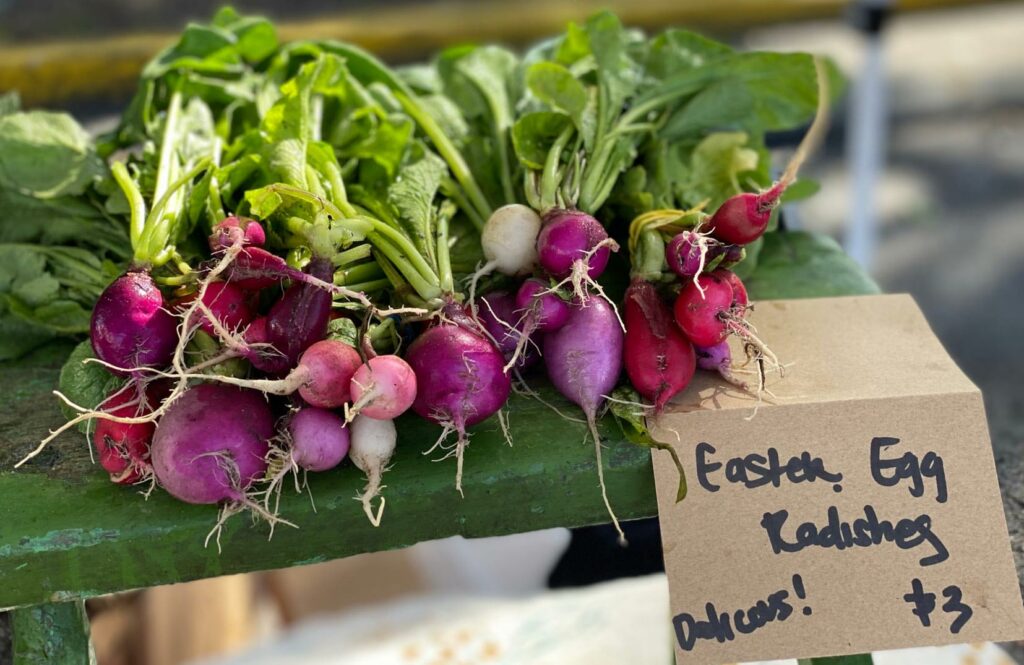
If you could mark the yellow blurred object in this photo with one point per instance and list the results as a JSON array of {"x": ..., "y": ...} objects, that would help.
[{"x": 105, "y": 69}]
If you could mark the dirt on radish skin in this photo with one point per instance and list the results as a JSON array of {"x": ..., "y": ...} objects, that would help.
[
  {"x": 211, "y": 444},
  {"x": 659, "y": 360},
  {"x": 130, "y": 326}
]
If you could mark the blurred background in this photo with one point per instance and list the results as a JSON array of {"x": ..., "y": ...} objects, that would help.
[{"x": 922, "y": 179}]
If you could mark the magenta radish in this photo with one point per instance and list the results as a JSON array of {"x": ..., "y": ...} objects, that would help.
[
  {"x": 584, "y": 360},
  {"x": 229, "y": 305},
  {"x": 496, "y": 313},
  {"x": 232, "y": 231},
  {"x": 384, "y": 387},
  {"x": 541, "y": 308},
  {"x": 319, "y": 438},
  {"x": 210, "y": 444},
  {"x": 460, "y": 381},
  {"x": 571, "y": 241},
  {"x": 740, "y": 299},
  {"x": 123, "y": 448},
  {"x": 659, "y": 360},
  {"x": 373, "y": 444},
  {"x": 130, "y": 327}
]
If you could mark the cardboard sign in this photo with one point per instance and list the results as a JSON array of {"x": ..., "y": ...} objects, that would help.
[{"x": 856, "y": 510}]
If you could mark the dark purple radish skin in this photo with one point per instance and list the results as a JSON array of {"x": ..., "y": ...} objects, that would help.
[
  {"x": 744, "y": 218},
  {"x": 297, "y": 320},
  {"x": 540, "y": 308},
  {"x": 255, "y": 268},
  {"x": 496, "y": 312},
  {"x": 659, "y": 360},
  {"x": 566, "y": 237},
  {"x": 584, "y": 361},
  {"x": 683, "y": 253},
  {"x": 130, "y": 326},
  {"x": 459, "y": 381},
  {"x": 319, "y": 439},
  {"x": 211, "y": 444},
  {"x": 232, "y": 231}
]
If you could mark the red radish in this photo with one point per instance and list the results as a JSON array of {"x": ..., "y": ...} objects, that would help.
[
  {"x": 237, "y": 230},
  {"x": 700, "y": 309},
  {"x": 570, "y": 240},
  {"x": 322, "y": 376},
  {"x": 740, "y": 300},
  {"x": 659, "y": 360},
  {"x": 542, "y": 308},
  {"x": 319, "y": 439},
  {"x": 459, "y": 381},
  {"x": 384, "y": 387},
  {"x": 373, "y": 444},
  {"x": 124, "y": 448},
  {"x": 130, "y": 327},
  {"x": 584, "y": 360},
  {"x": 211, "y": 443},
  {"x": 229, "y": 305}
]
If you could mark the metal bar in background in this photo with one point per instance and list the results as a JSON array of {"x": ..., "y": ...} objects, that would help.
[
  {"x": 98, "y": 70},
  {"x": 866, "y": 134}
]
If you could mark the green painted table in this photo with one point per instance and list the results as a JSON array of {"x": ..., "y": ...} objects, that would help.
[{"x": 67, "y": 533}]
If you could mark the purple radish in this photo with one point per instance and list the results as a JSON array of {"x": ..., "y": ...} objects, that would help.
[
  {"x": 459, "y": 379},
  {"x": 384, "y": 387},
  {"x": 130, "y": 326},
  {"x": 689, "y": 251},
  {"x": 211, "y": 444},
  {"x": 584, "y": 361},
  {"x": 297, "y": 320},
  {"x": 718, "y": 358},
  {"x": 496, "y": 312},
  {"x": 319, "y": 439},
  {"x": 542, "y": 308},
  {"x": 565, "y": 241}
]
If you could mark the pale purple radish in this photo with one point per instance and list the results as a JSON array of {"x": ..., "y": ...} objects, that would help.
[
  {"x": 718, "y": 358},
  {"x": 319, "y": 438},
  {"x": 211, "y": 444},
  {"x": 584, "y": 361},
  {"x": 383, "y": 387},
  {"x": 130, "y": 326},
  {"x": 460, "y": 381},
  {"x": 373, "y": 444}
]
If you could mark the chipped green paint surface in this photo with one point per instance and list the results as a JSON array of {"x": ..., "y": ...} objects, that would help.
[
  {"x": 52, "y": 634},
  {"x": 67, "y": 532}
]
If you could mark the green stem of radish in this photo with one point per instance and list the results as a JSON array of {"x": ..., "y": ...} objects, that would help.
[
  {"x": 550, "y": 180},
  {"x": 354, "y": 255},
  {"x": 444, "y": 261},
  {"x": 136, "y": 204},
  {"x": 359, "y": 273}
]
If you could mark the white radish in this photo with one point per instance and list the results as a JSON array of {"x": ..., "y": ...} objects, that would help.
[
  {"x": 373, "y": 444},
  {"x": 509, "y": 241}
]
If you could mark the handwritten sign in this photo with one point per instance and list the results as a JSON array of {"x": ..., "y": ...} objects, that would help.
[{"x": 856, "y": 510}]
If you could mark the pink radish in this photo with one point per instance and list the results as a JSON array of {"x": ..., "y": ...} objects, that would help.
[{"x": 383, "y": 387}]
